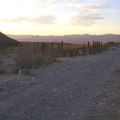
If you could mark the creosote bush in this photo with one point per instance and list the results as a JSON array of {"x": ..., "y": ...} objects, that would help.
[{"x": 26, "y": 58}]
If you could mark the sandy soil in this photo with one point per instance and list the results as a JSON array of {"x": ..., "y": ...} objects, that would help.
[{"x": 71, "y": 89}]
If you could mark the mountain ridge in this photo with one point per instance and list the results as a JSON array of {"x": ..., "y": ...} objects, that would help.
[
  {"x": 75, "y": 38},
  {"x": 7, "y": 41}
]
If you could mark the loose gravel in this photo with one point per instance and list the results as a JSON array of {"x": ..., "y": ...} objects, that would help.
[{"x": 66, "y": 90}]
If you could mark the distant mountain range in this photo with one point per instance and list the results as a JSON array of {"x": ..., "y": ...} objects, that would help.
[
  {"x": 7, "y": 41},
  {"x": 68, "y": 38}
]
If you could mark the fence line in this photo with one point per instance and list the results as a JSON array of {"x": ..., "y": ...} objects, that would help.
[{"x": 64, "y": 48}]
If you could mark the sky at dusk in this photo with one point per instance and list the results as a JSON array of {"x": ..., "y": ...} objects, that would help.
[{"x": 59, "y": 17}]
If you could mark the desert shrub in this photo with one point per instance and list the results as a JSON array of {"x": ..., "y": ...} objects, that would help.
[
  {"x": 15, "y": 69},
  {"x": 50, "y": 57},
  {"x": 26, "y": 58},
  {"x": 72, "y": 52}
]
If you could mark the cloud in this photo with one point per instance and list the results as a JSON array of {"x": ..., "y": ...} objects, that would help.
[
  {"x": 45, "y": 3},
  {"x": 48, "y": 19},
  {"x": 19, "y": 19},
  {"x": 86, "y": 20},
  {"x": 44, "y": 20},
  {"x": 86, "y": 14},
  {"x": 92, "y": 8},
  {"x": 83, "y": 7}
]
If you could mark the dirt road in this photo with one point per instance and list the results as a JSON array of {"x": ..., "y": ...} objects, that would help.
[{"x": 66, "y": 90}]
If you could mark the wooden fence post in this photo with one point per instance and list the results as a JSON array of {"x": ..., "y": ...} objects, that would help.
[
  {"x": 89, "y": 47},
  {"x": 88, "y": 44},
  {"x": 43, "y": 46},
  {"x": 93, "y": 51},
  {"x": 70, "y": 46},
  {"x": 34, "y": 48},
  {"x": 62, "y": 46},
  {"x": 97, "y": 46},
  {"x": 93, "y": 44},
  {"x": 101, "y": 44},
  {"x": 52, "y": 48},
  {"x": 38, "y": 47},
  {"x": 84, "y": 50}
]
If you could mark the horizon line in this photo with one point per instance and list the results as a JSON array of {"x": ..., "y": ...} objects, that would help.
[{"x": 62, "y": 35}]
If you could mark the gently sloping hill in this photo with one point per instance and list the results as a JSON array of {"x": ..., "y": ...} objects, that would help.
[{"x": 6, "y": 41}]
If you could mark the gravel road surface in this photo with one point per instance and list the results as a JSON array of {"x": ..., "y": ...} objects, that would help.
[{"x": 66, "y": 90}]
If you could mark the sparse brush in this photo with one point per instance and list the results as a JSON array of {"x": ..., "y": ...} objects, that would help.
[
  {"x": 26, "y": 58},
  {"x": 72, "y": 52},
  {"x": 50, "y": 57}
]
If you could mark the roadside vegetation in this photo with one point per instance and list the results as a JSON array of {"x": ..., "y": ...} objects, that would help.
[{"x": 33, "y": 55}]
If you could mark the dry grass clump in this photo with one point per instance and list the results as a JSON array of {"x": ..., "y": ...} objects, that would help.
[
  {"x": 74, "y": 51},
  {"x": 27, "y": 58},
  {"x": 71, "y": 52},
  {"x": 8, "y": 64},
  {"x": 24, "y": 58},
  {"x": 13, "y": 60}
]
